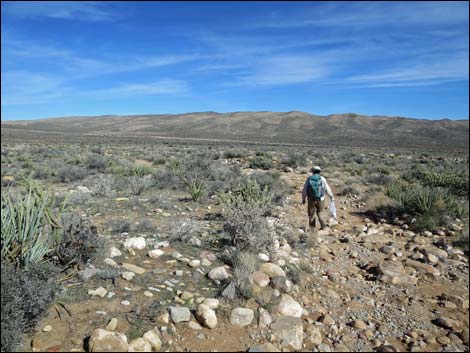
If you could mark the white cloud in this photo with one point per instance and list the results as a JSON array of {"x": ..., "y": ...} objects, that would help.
[
  {"x": 285, "y": 70},
  {"x": 65, "y": 10},
  {"x": 161, "y": 87}
]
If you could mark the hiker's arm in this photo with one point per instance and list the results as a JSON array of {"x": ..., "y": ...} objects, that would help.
[{"x": 328, "y": 190}]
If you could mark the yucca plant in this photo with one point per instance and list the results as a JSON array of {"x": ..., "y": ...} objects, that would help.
[
  {"x": 195, "y": 185},
  {"x": 29, "y": 230},
  {"x": 249, "y": 192}
]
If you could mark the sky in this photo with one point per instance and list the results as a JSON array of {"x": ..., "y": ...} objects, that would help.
[{"x": 91, "y": 58}]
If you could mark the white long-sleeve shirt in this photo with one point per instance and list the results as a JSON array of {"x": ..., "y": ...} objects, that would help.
[{"x": 324, "y": 185}]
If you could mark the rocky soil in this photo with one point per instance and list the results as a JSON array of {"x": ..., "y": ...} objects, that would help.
[{"x": 359, "y": 286}]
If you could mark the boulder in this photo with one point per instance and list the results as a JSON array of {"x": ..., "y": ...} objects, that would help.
[
  {"x": 272, "y": 270},
  {"x": 153, "y": 337},
  {"x": 289, "y": 307},
  {"x": 206, "y": 316},
  {"x": 137, "y": 243},
  {"x": 139, "y": 345},
  {"x": 289, "y": 330},
  {"x": 106, "y": 341},
  {"x": 241, "y": 317},
  {"x": 179, "y": 314},
  {"x": 218, "y": 274}
]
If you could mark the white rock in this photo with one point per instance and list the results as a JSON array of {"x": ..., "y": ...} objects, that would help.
[
  {"x": 194, "y": 263},
  {"x": 154, "y": 339},
  {"x": 241, "y": 316},
  {"x": 289, "y": 307},
  {"x": 272, "y": 270},
  {"x": 137, "y": 243},
  {"x": 114, "y": 252},
  {"x": 263, "y": 257},
  {"x": 128, "y": 276},
  {"x": 110, "y": 262},
  {"x": 206, "y": 316},
  {"x": 101, "y": 292},
  {"x": 218, "y": 274},
  {"x": 156, "y": 253},
  {"x": 139, "y": 345},
  {"x": 212, "y": 303},
  {"x": 106, "y": 341}
]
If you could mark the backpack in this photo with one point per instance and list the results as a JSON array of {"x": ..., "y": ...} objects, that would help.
[{"x": 315, "y": 189}]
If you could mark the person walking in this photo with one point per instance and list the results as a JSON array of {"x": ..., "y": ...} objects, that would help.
[{"x": 314, "y": 191}]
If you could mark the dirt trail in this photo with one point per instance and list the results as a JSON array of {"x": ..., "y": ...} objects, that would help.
[{"x": 340, "y": 284}]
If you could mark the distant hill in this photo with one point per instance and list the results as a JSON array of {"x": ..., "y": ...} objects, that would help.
[{"x": 291, "y": 127}]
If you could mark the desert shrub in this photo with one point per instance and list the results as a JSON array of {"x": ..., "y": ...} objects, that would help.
[
  {"x": 195, "y": 184},
  {"x": 261, "y": 162},
  {"x": 183, "y": 231},
  {"x": 78, "y": 198},
  {"x": 103, "y": 185},
  {"x": 249, "y": 193},
  {"x": 28, "y": 227},
  {"x": 432, "y": 207},
  {"x": 41, "y": 172},
  {"x": 145, "y": 225},
  {"x": 79, "y": 242},
  {"x": 456, "y": 182},
  {"x": 166, "y": 179},
  {"x": 248, "y": 229},
  {"x": 378, "y": 179},
  {"x": 137, "y": 184},
  {"x": 244, "y": 264},
  {"x": 348, "y": 191},
  {"x": 71, "y": 173},
  {"x": 96, "y": 162},
  {"x": 306, "y": 267},
  {"x": 140, "y": 170},
  {"x": 119, "y": 226},
  {"x": 234, "y": 154},
  {"x": 96, "y": 149},
  {"x": 295, "y": 159},
  {"x": 26, "y": 294},
  {"x": 273, "y": 184},
  {"x": 293, "y": 273}
]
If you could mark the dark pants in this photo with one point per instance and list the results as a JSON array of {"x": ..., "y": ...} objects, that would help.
[{"x": 315, "y": 207}]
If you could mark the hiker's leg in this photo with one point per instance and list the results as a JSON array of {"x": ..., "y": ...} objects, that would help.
[
  {"x": 311, "y": 212},
  {"x": 319, "y": 208}
]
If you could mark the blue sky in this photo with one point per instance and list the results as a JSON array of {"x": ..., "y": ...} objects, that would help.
[{"x": 95, "y": 58}]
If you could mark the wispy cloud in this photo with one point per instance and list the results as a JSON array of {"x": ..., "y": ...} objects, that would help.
[
  {"x": 64, "y": 10},
  {"x": 284, "y": 70},
  {"x": 23, "y": 87},
  {"x": 160, "y": 87}
]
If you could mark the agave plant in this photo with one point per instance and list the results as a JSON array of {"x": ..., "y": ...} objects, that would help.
[{"x": 29, "y": 230}]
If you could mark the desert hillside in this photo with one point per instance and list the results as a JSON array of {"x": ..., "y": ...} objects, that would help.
[{"x": 292, "y": 127}]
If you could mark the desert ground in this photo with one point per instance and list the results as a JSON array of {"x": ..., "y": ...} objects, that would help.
[{"x": 182, "y": 246}]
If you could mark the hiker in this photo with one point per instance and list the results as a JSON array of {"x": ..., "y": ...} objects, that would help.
[{"x": 314, "y": 190}]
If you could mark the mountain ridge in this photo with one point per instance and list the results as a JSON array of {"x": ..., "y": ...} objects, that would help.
[{"x": 283, "y": 127}]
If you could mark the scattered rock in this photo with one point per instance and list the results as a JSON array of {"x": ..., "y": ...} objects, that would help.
[
  {"x": 359, "y": 324},
  {"x": 139, "y": 345},
  {"x": 134, "y": 268},
  {"x": 179, "y": 314},
  {"x": 289, "y": 330},
  {"x": 218, "y": 274},
  {"x": 260, "y": 278},
  {"x": 206, "y": 316},
  {"x": 289, "y": 307},
  {"x": 241, "y": 316},
  {"x": 106, "y": 341},
  {"x": 153, "y": 337},
  {"x": 272, "y": 270},
  {"x": 112, "y": 324},
  {"x": 110, "y": 262},
  {"x": 114, "y": 252},
  {"x": 47, "y": 328},
  {"x": 212, "y": 303},
  {"x": 128, "y": 276},
  {"x": 154, "y": 254},
  {"x": 101, "y": 292},
  {"x": 137, "y": 243}
]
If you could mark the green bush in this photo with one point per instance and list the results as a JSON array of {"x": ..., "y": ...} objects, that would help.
[
  {"x": 295, "y": 159},
  {"x": 432, "y": 207},
  {"x": 195, "y": 184},
  {"x": 244, "y": 264},
  {"x": 71, "y": 173},
  {"x": 271, "y": 181},
  {"x": 234, "y": 154},
  {"x": 261, "y": 162},
  {"x": 26, "y": 294},
  {"x": 247, "y": 193},
  {"x": 29, "y": 230},
  {"x": 456, "y": 182}
]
